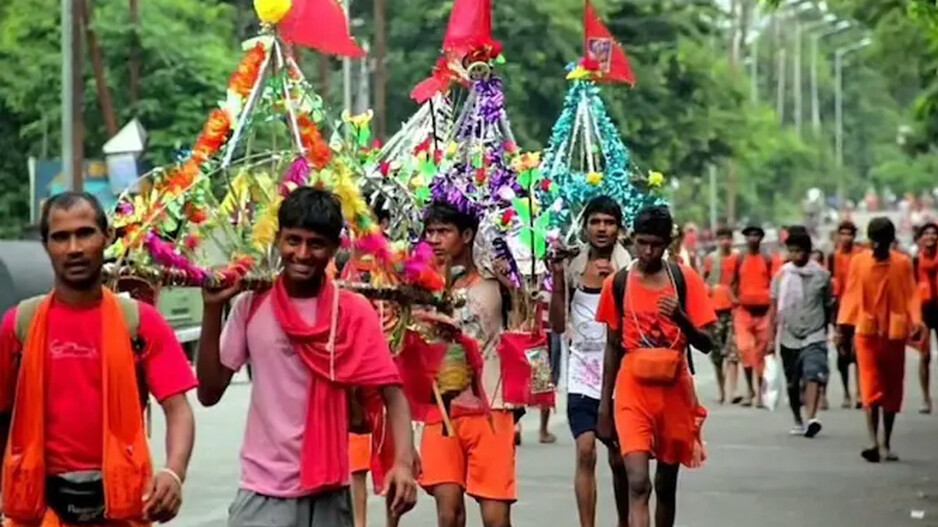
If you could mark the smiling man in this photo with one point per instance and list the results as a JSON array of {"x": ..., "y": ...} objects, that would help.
[
  {"x": 103, "y": 355},
  {"x": 308, "y": 343}
]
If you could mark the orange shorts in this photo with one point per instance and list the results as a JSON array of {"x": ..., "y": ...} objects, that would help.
[
  {"x": 359, "y": 452},
  {"x": 664, "y": 420},
  {"x": 881, "y": 368},
  {"x": 752, "y": 338},
  {"x": 477, "y": 459}
]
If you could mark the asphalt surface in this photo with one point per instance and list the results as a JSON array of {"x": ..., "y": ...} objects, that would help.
[{"x": 756, "y": 474}]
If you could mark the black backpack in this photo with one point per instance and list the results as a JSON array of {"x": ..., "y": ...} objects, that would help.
[{"x": 618, "y": 289}]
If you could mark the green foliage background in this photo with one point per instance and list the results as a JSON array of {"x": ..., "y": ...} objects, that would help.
[{"x": 691, "y": 109}]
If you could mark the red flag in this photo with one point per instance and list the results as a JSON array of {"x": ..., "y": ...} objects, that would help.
[
  {"x": 470, "y": 26},
  {"x": 321, "y": 25},
  {"x": 602, "y": 48}
]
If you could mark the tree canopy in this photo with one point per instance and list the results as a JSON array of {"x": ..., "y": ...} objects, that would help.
[{"x": 691, "y": 109}]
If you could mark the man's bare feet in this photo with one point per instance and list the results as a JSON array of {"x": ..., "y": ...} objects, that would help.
[
  {"x": 847, "y": 403},
  {"x": 548, "y": 438}
]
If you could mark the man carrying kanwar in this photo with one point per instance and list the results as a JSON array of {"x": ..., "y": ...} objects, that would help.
[
  {"x": 573, "y": 305},
  {"x": 881, "y": 303},
  {"x": 78, "y": 453},
  {"x": 656, "y": 414},
  {"x": 309, "y": 343},
  {"x": 478, "y": 458}
]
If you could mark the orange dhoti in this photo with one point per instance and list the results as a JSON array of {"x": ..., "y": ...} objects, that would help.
[
  {"x": 881, "y": 365},
  {"x": 51, "y": 519},
  {"x": 359, "y": 451},
  {"x": 752, "y": 338},
  {"x": 664, "y": 420}
]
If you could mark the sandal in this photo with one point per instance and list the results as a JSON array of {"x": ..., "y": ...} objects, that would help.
[{"x": 871, "y": 455}]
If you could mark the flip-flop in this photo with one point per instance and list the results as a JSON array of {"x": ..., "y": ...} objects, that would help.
[
  {"x": 548, "y": 439},
  {"x": 891, "y": 458},
  {"x": 924, "y": 410},
  {"x": 747, "y": 404},
  {"x": 871, "y": 455},
  {"x": 738, "y": 399}
]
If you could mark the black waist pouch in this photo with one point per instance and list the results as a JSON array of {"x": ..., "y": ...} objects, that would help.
[{"x": 77, "y": 497}]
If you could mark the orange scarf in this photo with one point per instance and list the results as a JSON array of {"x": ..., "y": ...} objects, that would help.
[
  {"x": 880, "y": 298},
  {"x": 126, "y": 467}
]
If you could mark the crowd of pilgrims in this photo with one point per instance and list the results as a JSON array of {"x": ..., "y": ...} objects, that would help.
[{"x": 330, "y": 402}]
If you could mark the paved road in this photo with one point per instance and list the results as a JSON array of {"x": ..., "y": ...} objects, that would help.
[{"x": 756, "y": 474}]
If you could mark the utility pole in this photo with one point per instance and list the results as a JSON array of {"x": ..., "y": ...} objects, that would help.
[
  {"x": 815, "y": 97},
  {"x": 381, "y": 72},
  {"x": 72, "y": 90},
  {"x": 347, "y": 68},
  {"x": 364, "y": 86},
  {"x": 134, "y": 63},
  {"x": 797, "y": 77},
  {"x": 97, "y": 66},
  {"x": 754, "y": 70},
  {"x": 839, "y": 55}
]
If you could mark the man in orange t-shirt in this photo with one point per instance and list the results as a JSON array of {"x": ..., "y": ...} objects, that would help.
[
  {"x": 656, "y": 413},
  {"x": 719, "y": 271},
  {"x": 925, "y": 264},
  {"x": 839, "y": 265},
  {"x": 752, "y": 282},
  {"x": 881, "y": 303}
]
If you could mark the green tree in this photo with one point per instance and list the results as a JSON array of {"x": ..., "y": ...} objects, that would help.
[{"x": 188, "y": 49}]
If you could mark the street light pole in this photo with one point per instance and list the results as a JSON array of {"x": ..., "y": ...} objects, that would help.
[
  {"x": 815, "y": 97},
  {"x": 839, "y": 55},
  {"x": 797, "y": 77},
  {"x": 347, "y": 67},
  {"x": 72, "y": 91},
  {"x": 800, "y": 31}
]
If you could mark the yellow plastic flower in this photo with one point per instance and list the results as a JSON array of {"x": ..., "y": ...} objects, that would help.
[
  {"x": 358, "y": 120},
  {"x": 594, "y": 178},
  {"x": 272, "y": 11},
  {"x": 579, "y": 73},
  {"x": 265, "y": 227},
  {"x": 655, "y": 178}
]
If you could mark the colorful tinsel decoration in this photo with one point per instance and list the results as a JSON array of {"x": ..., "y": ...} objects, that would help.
[{"x": 572, "y": 189}]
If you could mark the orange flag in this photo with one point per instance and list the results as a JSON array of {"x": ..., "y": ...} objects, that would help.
[
  {"x": 602, "y": 48},
  {"x": 321, "y": 25}
]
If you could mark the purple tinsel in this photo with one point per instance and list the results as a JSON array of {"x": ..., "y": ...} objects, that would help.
[{"x": 489, "y": 108}]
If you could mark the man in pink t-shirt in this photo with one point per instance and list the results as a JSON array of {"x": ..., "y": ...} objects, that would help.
[
  {"x": 294, "y": 460},
  {"x": 74, "y": 231}
]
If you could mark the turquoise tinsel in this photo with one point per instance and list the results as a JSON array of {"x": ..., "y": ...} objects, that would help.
[{"x": 570, "y": 185}]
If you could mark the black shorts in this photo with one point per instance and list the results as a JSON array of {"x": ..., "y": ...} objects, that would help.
[
  {"x": 930, "y": 315},
  {"x": 582, "y": 414},
  {"x": 807, "y": 364}
]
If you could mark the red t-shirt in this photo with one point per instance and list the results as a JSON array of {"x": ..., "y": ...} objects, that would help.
[
  {"x": 74, "y": 397},
  {"x": 641, "y": 304}
]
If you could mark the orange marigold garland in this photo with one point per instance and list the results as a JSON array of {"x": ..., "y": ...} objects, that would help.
[{"x": 243, "y": 79}]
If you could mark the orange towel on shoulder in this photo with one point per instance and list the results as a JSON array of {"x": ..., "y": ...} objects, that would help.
[
  {"x": 881, "y": 298},
  {"x": 882, "y": 302},
  {"x": 127, "y": 467}
]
